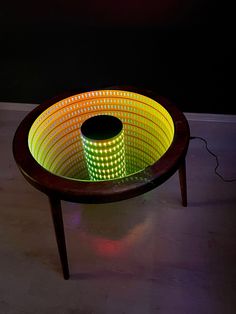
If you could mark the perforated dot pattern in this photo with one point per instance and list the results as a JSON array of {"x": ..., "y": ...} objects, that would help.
[
  {"x": 105, "y": 159},
  {"x": 55, "y": 139}
]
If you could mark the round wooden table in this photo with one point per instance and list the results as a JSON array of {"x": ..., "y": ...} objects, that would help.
[{"x": 58, "y": 187}]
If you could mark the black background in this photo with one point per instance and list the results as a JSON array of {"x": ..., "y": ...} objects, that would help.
[{"x": 182, "y": 49}]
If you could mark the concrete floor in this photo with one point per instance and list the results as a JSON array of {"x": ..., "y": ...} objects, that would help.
[{"x": 144, "y": 255}]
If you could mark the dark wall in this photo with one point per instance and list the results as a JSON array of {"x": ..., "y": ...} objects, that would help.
[{"x": 182, "y": 49}]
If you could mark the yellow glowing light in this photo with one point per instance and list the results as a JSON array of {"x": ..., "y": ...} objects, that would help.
[{"x": 54, "y": 139}]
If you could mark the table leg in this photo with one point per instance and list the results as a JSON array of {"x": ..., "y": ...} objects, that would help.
[
  {"x": 60, "y": 235},
  {"x": 183, "y": 182}
]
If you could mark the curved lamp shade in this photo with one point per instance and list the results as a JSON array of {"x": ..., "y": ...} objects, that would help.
[
  {"x": 49, "y": 150},
  {"x": 55, "y": 139}
]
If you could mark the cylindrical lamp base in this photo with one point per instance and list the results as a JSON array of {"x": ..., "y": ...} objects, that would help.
[{"x": 103, "y": 143}]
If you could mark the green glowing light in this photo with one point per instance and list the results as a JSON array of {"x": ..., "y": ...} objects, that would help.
[
  {"x": 105, "y": 155},
  {"x": 56, "y": 144}
]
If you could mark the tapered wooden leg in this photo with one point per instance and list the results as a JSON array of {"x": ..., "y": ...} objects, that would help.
[
  {"x": 60, "y": 235},
  {"x": 183, "y": 183}
]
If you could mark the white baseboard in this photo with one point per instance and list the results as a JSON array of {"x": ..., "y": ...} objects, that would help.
[
  {"x": 17, "y": 106},
  {"x": 210, "y": 117}
]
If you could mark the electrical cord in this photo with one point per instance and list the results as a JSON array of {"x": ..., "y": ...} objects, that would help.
[{"x": 214, "y": 155}]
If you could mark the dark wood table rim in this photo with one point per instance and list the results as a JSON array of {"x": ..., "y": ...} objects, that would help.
[{"x": 104, "y": 191}]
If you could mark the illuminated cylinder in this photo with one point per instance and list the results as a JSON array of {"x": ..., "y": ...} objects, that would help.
[{"x": 103, "y": 143}]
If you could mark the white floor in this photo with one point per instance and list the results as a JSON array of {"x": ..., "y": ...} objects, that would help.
[{"x": 144, "y": 255}]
